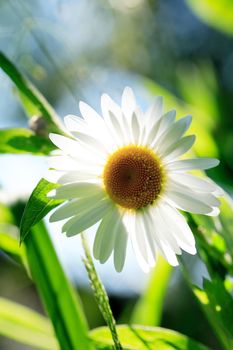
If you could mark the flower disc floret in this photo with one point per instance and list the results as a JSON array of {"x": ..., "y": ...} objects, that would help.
[{"x": 133, "y": 177}]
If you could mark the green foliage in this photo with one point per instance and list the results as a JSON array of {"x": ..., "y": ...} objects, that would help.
[
  {"x": 148, "y": 309},
  {"x": 145, "y": 338},
  {"x": 23, "y": 141},
  {"x": 33, "y": 101},
  {"x": 217, "y": 303},
  {"x": 218, "y": 14},
  {"x": 37, "y": 207},
  {"x": 26, "y": 326},
  {"x": 56, "y": 293},
  {"x": 214, "y": 237}
]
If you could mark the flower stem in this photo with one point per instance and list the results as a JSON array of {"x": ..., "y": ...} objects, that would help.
[{"x": 100, "y": 294}]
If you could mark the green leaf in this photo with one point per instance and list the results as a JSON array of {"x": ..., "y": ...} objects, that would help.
[
  {"x": 63, "y": 307},
  {"x": 31, "y": 95},
  {"x": 148, "y": 309},
  {"x": 215, "y": 237},
  {"x": 145, "y": 338},
  {"x": 218, "y": 14},
  {"x": 21, "y": 324},
  {"x": 21, "y": 141},
  {"x": 217, "y": 304},
  {"x": 37, "y": 207}
]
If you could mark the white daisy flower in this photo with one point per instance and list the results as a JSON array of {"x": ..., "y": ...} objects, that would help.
[{"x": 122, "y": 170}]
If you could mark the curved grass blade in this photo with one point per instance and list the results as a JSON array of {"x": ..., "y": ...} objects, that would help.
[
  {"x": 145, "y": 338},
  {"x": 26, "y": 326},
  {"x": 30, "y": 93}
]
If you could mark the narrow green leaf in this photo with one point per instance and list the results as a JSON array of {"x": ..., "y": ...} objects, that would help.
[
  {"x": 37, "y": 207},
  {"x": 217, "y": 304},
  {"x": 148, "y": 309},
  {"x": 145, "y": 338},
  {"x": 21, "y": 141},
  {"x": 23, "y": 325},
  {"x": 63, "y": 308},
  {"x": 29, "y": 92}
]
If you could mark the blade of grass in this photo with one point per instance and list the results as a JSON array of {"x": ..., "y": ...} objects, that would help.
[
  {"x": 30, "y": 92},
  {"x": 148, "y": 309},
  {"x": 26, "y": 326},
  {"x": 59, "y": 299}
]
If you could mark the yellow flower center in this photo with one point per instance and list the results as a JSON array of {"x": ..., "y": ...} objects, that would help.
[{"x": 133, "y": 177}]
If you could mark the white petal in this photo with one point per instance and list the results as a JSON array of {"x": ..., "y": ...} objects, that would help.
[
  {"x": 76, "y": 207},
  {"x": 75, "y": 176},
  {"x": 191, "y": 164},
  {"x": 78, "y": 151},
  {"x": 178, "y": 148},
  {"x": 62, "y": 163},
  {"x": 179, "y": 228},
  {"x": 194, "y": 182},
  {"x": 147, "y": 250},
  {"x": 92, "y": 143},
  {"x": 164, "y": 232},
  {"x": 66, "y": 144},
  {"x": 166, "y": 121},
  {"x": 128, "y": 103},
  {"x": 157, "y": 228},
  {"x": 75, "y": 190},
  {"x": 214, "y": 212},
  {"x": 158, "y": 127},
  {"x": 92, "y": 118},
  {"x": 136, "y": 126},
  {"x": 172, "y": 134},
  {"x": 120, "y": 247},
  {"x": 187, "y": 202},
  {"x": 87, "y": 219},
  {"x": 137, "y": 240},
  {"x": 52, "y": 175},
  {"x": 155, "y": 111},
  {"x": 75, "y": 123},
  {"x": 106, "y": 235},
  {"x": 113, "y": 118}
]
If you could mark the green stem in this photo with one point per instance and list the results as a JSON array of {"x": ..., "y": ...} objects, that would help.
[{"x": 100, "y": 294}]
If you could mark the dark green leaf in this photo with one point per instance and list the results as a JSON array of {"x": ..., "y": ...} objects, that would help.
[
  {"x": 37, "y": 207},
  {"x": 217, "y": 303},
  {"x": 23, "y": 141},
  {"x": 30, "y": 93},
  {"x": 145, "y": 338},
  {"x": 63, "y": 307}
]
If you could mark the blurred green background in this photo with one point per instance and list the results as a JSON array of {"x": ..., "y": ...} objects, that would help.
[{"x": 77, "y": 49}]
